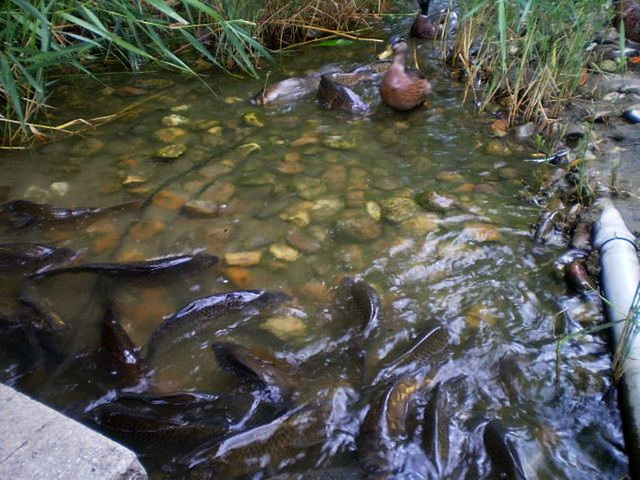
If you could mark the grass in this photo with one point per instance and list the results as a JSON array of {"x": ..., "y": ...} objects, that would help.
[
  {"x": 528, "y": 56},
  {"x": 45, "y": 39}
]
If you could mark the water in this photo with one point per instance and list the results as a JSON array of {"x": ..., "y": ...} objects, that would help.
[{"x": 288, "y": 181}]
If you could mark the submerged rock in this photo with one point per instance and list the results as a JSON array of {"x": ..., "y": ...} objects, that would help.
[
  {"x": 171, "y": 152},
  {"x": 201, "y": 208},
  {"x": 309, "y": 188},
  {"x": 175, "y": 120},
  {"x": 398, "y": 209},
  {"x": 243, "y": 259},
  {"x": 357, "y": 226},
  {"x": 168, "y": 135},
  {"x": 285, "y": 327},
  {"x": 284, "y": 252}
]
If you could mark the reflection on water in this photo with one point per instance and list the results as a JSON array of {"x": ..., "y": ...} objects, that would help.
[{"x": 294, "y": 198}]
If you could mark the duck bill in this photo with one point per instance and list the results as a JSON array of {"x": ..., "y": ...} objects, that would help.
[{"x": 386, "y": 54}]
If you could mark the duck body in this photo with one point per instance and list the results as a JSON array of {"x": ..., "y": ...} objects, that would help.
[
  {"x": 403, "y": 89},
  {"x": 629, "y": 13},
  {"x": 423, "y": 26}
]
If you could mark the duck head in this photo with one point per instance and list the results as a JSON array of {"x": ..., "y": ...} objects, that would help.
[{"x": 397, "y": 44}]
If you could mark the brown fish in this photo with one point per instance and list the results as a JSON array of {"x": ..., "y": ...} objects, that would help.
[
  {"x": 435, "y": 433},
  {"x": 505, "y": 462},
  {"x": 121, "y": 355},
  {"x": 259, "y": 367},
  {"x": 21, "y": 213},
  {"x": 361, "y": 306},
  {"x": 205, "y": 310},
  {"x": 385, "y": 425},
  {"x": 267, "y": 447}
]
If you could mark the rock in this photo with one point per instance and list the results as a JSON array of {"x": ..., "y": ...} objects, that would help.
[
  {"x": 290, "y": 168},
  {"x": 169, "y": 135},
  {"x": 292, "y": 157},
  {"x": 480, "y": 315},
  {"x": 193, "y": 186},
  {"x": 307, "y": 139},
  {"x": 309, "y": 188},
  {"x": 133, "y": 180},
  {"x": 232, "y": 100},
  {"x": 398, "y": 209},
  {"x": 508, "y": 173},
  {"x": 243, "y": 259},
  {"x": 257, "y": 179},
  {"x": 351, "y": 256},
  {"x": 481, "y": 232},
  {"x": 284, "y": 252},
  {"x": 374, "y": 210},
  {"x": 357, "y": 226},
  {"x": 498, "y": 148},
  {"x": 336, "y": 176},
  {"x": 59, "y": 188},
  {"x": 303, "y": 242},
  {"x": 146, "y": 230},
  {"x": 435, "y": 202},
  {"x": 326, "y": 207},
  {"x": 171, "y": 152},
  {"x": 180, "y": 108},
  {"x": 206, "y": 124},
  {"x": 175, "y": 120},
  {"x": 285, "y": 327},
  {"x": 169, "y": 199},
  {"x": 88, "y": 147},
  {"x": 609, "y": 66},
  {"x": 240, "y": 277},
  {"x": 104, "y": 243},
  {"x": 213, "y": 171},
  {"x": 450, "y": 177},
  {"x": 297, "y": 214},
  {"x": 248, "y": 148},
  {"x": 201, "y": 208},
  {"x": 422, "y": 223},
  {"x": 525, "y": 131},
  {"x": 219, "y": 192},
  {"x": 338, "y": 143},
  {"x": 355, "y": 198},
  {"x": 499, "y": 127},
  {"x": 252, "y": 119},
  {"x": 316, "y": 292}
]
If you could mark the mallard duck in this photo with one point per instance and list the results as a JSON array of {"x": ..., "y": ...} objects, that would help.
[
  {"x": 629, "y": 12},
  {"x": 402, "y": 89},
  {"x": 430, "y": 28}
]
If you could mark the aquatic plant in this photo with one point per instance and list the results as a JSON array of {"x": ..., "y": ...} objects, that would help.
[
  {"x": 528, "y": 56},
  {"x": 45, "y": 40}
]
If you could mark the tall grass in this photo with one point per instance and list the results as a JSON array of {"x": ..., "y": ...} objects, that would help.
[
  {"x": 527, "y": 55},
  {"x": 44, "y": 36}
]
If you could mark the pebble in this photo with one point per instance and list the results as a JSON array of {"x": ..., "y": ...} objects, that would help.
[
  {"x": 169, "y": 135},
  {"x": 240, "y": 277},
  {"x": 481, "y": 232},
  {"x": 252, "y": 119},
  {"x": 303, "y": 242},
  {"x": 248, "y": 148},
  {"x": 175, "y": 120},
  {"x": 374, "y": 210},
  {"x": 298, "y": 215},
  {"x": 219, "y": 192},
  {"x": 147, "y": 229},
  {"x": 338, "y": 143},
  {"x": 133, "y": 180},
  {"x": 285, "y": 327},
  {"x": 201, "y": 208},
  {"x": 315, "y": 291},
  {"x": 398, "y": 209},
  {"x": 284, "y": 252},
  {"x": 169, "y": 200},
  {"x": 88, "y": 147},
  {"x": 60, "y": 188},
  {"x": 290, "y": 168},
  {"x": 292, "y": 157},
  {"x": 171, "y": 152},
  {"x": 498, "y": 148},
  {"x": 243, "y": 259}
]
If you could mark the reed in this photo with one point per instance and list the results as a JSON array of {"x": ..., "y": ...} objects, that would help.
[
  {"x": 42, "y": 37},
  {"x": 527, "y": 56}
]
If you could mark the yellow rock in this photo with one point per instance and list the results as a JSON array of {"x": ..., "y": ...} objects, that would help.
[
  {"x": 282, "y": 251},
  {"x": 285, "y": 327},
  {"x": 481, "y": 232},
  {"x": 239, "y": 276},
  {"x": 243, "y": 259},
  {"x": 251, "y": 118},
  {"x": 248, "y": 148}
]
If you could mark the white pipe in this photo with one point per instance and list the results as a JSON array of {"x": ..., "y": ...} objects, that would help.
[{"x": 620, "y": 275}]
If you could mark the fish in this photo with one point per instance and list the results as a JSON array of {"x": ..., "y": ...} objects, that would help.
[
  {"x": 31, "y": 256},
  {"x": 283, "y": 441},
  {"x": 331, "y": 473},
  {"x": 176, "y": 422},
  {"x": 385, "y": 425},
  {"x": 22, "y": 213},
  {"x": 433, "y": 341},
  {"x": 505, "y": 462},
  {"x": 153, "y": 268},
  {"x": 38, "y": 312},
  {"x": 207, "y": 309},
  {"x": 259, "y": 367},
  {"x": 121, "y": 355},
  {"x": 435, "y": 432},
  {"x": 361, "y": 306}
]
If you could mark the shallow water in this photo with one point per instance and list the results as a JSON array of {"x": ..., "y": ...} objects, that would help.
[{"x": 474, "y": 268}]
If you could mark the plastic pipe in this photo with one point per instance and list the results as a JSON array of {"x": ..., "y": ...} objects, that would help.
[{"x": 620, "y": 275}]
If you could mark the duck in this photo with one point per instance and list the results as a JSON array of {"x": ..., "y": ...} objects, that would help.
[
  {"x": 429, "y": 28},
  {"x": 402, "y": 89},
  {"x": 629, "y": 12}
]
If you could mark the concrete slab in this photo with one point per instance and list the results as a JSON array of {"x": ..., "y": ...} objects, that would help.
[{"x": 36, "y": 442}]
